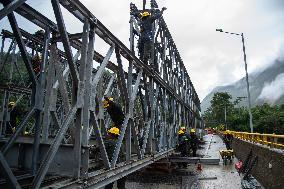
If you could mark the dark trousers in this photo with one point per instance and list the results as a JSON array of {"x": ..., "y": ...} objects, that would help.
[
  {"x": 228, "y": 145},
  {"x": 144, "y": 45},
  {"x": 194, "y": 151},
  {"x": 120, "y": 184}
]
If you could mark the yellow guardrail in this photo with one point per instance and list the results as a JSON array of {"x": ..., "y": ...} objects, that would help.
[{"x": 270, "y": 140}]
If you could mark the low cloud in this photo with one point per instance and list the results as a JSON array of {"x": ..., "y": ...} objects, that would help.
[
  {"x": 211, "y": 58},
  {"x": 271, "y": 92}
]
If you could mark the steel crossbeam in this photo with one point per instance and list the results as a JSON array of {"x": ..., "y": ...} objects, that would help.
[
  {"x": 6, "y": 170},
  {"x": 66, "y": 98},
  {"x": 194, "y": 160},
  {"x": 10, "y": 8}
]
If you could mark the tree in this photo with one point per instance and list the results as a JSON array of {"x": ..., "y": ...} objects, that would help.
[
  {"x": 266, "y": 118},
  {"x": 221, "y": 106}
]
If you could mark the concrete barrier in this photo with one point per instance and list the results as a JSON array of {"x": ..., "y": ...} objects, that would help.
[{"x": 269, "y": 170}]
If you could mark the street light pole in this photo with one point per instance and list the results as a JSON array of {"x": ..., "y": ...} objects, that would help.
[
  {"x": 225, "y": 112},
  {"x": 245, "y": 60},
  {"x": 249, "y": 102}
]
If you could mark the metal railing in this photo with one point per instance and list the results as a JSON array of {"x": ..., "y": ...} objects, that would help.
[{"x": 271, "y": 140}]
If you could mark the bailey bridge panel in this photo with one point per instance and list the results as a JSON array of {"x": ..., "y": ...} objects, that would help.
[{"x": 65, "y": 121}]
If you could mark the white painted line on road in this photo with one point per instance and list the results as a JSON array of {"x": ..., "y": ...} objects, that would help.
[{"x": 206, "y": 152}]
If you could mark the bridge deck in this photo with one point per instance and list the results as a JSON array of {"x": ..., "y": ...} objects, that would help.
[
  {"x": 211, "y": 176},
  {"x": 227, "y": 176}
]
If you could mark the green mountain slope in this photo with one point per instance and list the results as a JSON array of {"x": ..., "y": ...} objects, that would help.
[{"x": 268, "y": 83}]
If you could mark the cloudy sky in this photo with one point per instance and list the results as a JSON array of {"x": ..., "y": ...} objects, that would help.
[{"x": 211, "y": 58}]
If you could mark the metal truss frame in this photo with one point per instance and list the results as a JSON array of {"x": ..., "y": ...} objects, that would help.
[{"x": 66, "y": 99}]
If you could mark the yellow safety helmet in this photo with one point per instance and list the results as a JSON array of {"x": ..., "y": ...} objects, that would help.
[
  {"x": 183, "y": 128},
  {"x": 145, "y": 14},
  {"x": 180, "y": 132},
  {"x": 37, "y": 57},
  {"x": 106, "y": 102},
  {"x": 12, "y": 104},
  {"x": 192, "y": 130},
  {"x": 114, "y": 130}
]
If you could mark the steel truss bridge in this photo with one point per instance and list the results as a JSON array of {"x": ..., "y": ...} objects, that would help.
[{"x": 66, "y": 123}]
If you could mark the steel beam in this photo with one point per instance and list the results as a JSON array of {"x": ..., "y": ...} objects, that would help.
[
  {"x": 80, "y": 11},
  {"x": 49, "y": 92},
  {"x": 160, "y": 93},
  {"x": 125, "y": 123},
  {"x": 121, "y": 79},
  {"x": 41, "y": 19},
  {"x": 100, "y": 179},
  {"x": 21, "y": 44},
  {"x": 194, "y": 160},
  {"x": 39, "y": 97},
  {"x": 87, "y": 98},
  {"x": 10, "y": 8},
  {"x": 99, "y": 138},
  {"x": 53, "y": 149},
  {"x": 20, "y": 128},
  {"x": 102, "y": 67},
  {"x": 7, "y": 172},
  {"x": 80, "y": 97},
  {"x": 2, "y": 48},
  {"x": 65, "y": 40},
  {"x": 3, "y": 62}
]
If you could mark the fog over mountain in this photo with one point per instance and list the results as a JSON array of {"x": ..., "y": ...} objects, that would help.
[
  {"x": 271, "y": 92},
  {"x": 266, "y": 86}
]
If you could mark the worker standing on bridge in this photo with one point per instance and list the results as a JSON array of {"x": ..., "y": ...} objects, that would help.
[
  {"x": 146, "y": 32},
  {"x": 228, "y": 139},
  {"x": 110, "y": 144},
  {"x": 182, "y": 143},
  {"x": 193, "y": 142},
  {"x": 36, "y": 61},
  {"x": 183, "y": 128},
  {"x": 186, "y": 133},
  {"x": 14, "y": 115},
  {"x": 115, "y": 111},
  {"x": 16, "y": 112},
  {"x": 183, "y": 146}
]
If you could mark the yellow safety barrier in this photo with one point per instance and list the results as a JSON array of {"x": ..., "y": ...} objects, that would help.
[{"x": 270, "y": 140}]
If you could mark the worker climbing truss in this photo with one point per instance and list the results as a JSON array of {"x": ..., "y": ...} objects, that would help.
[{"x": 59, "y": 142}]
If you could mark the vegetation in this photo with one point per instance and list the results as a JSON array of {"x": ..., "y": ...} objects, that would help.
[
  {"x": 14, "y": 73},
  {"x": 266, "y": 118}
]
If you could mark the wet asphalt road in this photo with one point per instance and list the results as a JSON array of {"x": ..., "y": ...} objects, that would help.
[
  {"x": 227, "y": 176},
  {"x": 211, "y": 176}
]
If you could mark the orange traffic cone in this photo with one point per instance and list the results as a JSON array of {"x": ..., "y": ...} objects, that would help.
[{"x": 199, "y": 167}]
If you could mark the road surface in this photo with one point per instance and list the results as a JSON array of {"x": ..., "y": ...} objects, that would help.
[{"x": 211, "y": 176}]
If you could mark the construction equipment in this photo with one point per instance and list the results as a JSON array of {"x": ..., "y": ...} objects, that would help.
[
  {"x": 248, "y": 181},
  {"x": 227, "y": 155}
]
